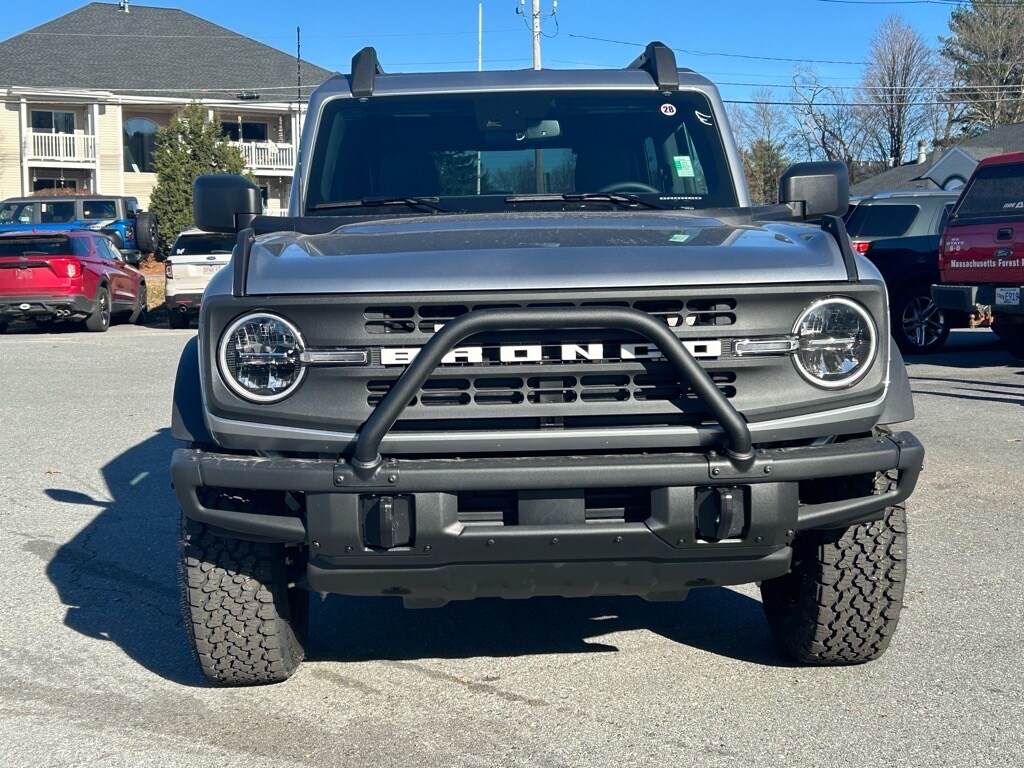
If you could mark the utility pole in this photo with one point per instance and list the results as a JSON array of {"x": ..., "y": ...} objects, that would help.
[
  {"x": 535, "y": 29},
  {"x": 479, "y": 68},
  {"x": 535, "y": 18}
]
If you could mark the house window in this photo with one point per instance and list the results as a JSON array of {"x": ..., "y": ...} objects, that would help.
[
  {"x": 244, "y": 131},
  {"x": 39, "y": 184},
  {"x": 953, "y": 183},
  {"x": 48, "y": 121},
  {"x": 139, "y": 143}
]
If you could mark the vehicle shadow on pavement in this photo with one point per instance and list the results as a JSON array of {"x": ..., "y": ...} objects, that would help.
[
  {"x": 716, "y": 620},
  {"x": 118, "y": 576}
]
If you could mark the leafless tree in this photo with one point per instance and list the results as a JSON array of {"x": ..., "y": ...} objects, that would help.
[
  {"x": 829, "y": 127},
  {"x": 898, "y": 75},
  {"x": 986, "y": 48},
  {"x": 764, "y": 130}
]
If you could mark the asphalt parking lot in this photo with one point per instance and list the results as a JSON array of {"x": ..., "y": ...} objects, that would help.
[{"x": 95, "y": 667}]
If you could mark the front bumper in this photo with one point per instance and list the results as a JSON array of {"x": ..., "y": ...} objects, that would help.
[
  {"x": 548, "y": 543},
  {"x": 71, "y": 307}
]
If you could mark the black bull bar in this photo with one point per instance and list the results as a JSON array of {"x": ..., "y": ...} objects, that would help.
[{"x": 367, "y": 456}]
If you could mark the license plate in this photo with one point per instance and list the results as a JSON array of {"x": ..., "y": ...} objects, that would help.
[
  {"x": 210, "y": 269},
  {"x": 1008, "y": 296}
]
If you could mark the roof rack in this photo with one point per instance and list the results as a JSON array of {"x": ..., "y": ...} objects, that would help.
[
  {"x": 659, "y": 61},
  {"x": 365, "y": 68}
]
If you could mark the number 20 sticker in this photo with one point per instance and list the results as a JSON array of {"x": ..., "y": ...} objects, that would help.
[{"x": 668, "y": 109}]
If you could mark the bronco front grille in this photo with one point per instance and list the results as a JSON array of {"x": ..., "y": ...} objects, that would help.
[
  {"x": 552, "y": 388},
  {"x": 428, "y": 318}
]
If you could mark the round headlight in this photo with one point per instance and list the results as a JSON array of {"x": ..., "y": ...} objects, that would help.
[
  {"x": 260, "y": 357},
  {"x": 836, "y": 342}
]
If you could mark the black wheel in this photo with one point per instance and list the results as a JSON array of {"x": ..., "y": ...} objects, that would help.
[
  {"x": 246, "y": 626},
  {"x": 841, "y": 601},
  {"x": 918, "y": 323},
  {"x": 1011, "y": 335},
  {"x": 99, "y": 320},
  {"x": 146, "y": 237},
  {"x": 3, "y": 328},
  {"x": 141, "y": 309},
  {"x": 177, "y": 320}
]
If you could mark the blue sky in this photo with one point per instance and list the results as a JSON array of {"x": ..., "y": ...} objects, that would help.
[{"x": 422, "y": 35}]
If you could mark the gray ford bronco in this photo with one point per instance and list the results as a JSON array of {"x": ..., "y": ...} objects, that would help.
[{"x": 521, "y": 334}]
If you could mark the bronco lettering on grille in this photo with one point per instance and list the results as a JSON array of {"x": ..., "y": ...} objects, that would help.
[{"x": 544, "y": 353}]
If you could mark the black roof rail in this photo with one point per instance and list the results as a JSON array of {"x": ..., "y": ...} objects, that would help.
[
  {"x": 659, "y": 61},
  {"x": 365, "y": 68}
]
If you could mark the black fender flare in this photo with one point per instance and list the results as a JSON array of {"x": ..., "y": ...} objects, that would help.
[
  {"x": 899, "y": 400},
  {"x": 187, "y": 422}
]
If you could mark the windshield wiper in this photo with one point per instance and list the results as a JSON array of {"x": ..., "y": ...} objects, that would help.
[
  {"x": 418, "y": 203},
  {"x": 617, "y": 198}
]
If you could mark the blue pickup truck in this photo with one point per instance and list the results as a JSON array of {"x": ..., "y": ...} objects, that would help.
[{"x": 117, "y": 216}]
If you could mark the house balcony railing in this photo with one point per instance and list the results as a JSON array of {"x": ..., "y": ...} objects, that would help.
[
  {"x": 267, "y": 155},
  {"x": 60, "y": 147}
]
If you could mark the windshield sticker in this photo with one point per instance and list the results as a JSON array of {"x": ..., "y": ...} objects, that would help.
[
  {"x": 680, "y": 237},
  {"x": 683, "y": 165},
  {"x": 668, "y": 109},
  {"x": 705, "y": 119}
]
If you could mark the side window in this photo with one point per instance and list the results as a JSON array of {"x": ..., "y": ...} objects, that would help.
[
  {"x": 107, "y": 250},
  {"x": 99, "y": 209},
  {"x": 60, "y": 212},
  {"x": 80, "y": 247},
  {"x": 881, "y": 220}
]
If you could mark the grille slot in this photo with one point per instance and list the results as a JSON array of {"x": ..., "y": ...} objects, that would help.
[
  {"x": 565, "y": 390},
  {"x": 428, "y": 318}
]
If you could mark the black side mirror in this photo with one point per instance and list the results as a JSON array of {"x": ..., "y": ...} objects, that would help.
[
  {"x": 225, "y": 203},
  {"x": 132, "y": 257},
  {"x": 813, "y": 190}
]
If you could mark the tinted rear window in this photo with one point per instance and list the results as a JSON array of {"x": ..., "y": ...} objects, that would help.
[
  {"x": 201, "y": 245},
  {"x": 995, "y": 191},
  {"x": 881, "y": 220},
  {"x": 42, "y": 246}
]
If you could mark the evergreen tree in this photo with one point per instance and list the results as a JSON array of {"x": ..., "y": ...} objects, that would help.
[
  {"x": 189, "y": 146},
  {"x": 458, "y": 172},
  {"x": 986, "y": 48}
]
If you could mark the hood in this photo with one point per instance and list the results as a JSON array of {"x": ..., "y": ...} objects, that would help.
[{"x": 541, "y": 251}]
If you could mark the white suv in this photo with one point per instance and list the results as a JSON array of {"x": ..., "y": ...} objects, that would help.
[{"x": 195, "y": 258}]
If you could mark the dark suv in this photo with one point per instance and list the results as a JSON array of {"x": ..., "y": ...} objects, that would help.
[{"x": 899, "y": 232}]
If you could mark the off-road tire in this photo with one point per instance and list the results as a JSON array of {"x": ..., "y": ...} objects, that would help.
[
  {"x": 146, "y": 234},
  {"x": 841, "y": 602},
  {"x": 177, "y": 320},
  {"x": 99, "y": 321},
  {"x": 246, "y": 626}
]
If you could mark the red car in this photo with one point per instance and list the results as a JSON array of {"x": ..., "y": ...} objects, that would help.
[
  {"x": 981, "y": 254},
  {"x": 67, "y": 277}
]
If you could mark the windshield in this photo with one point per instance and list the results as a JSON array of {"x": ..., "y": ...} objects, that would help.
[
  {"x": 16, "y": 213},
  {"x": 997, "y": 190},
  {"x": 203, "y": 245},
  {"x": 473, "y": 151}
]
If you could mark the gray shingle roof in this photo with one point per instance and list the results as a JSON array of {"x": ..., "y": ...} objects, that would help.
[
  {"x": 162, "y": 51},
  {"x": 902, "y": 177},
  {"x": 998, "y": 141}
]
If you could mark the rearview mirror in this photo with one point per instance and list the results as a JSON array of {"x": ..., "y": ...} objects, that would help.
[
  {"x": 225, "y": 203},
  {"x": 813, "y": 190},
  {"x": 540, "y": 130}
]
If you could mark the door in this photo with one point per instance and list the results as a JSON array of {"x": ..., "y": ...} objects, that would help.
[{"x": 123, "y": 280}]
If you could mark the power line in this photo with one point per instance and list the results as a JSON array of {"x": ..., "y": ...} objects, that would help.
[{"x": 693, "y": 52}]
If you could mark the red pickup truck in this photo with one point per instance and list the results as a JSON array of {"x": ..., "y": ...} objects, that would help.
[
  {"x": 981, "y": 253},
  {"x": 67, "y": 277}
]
